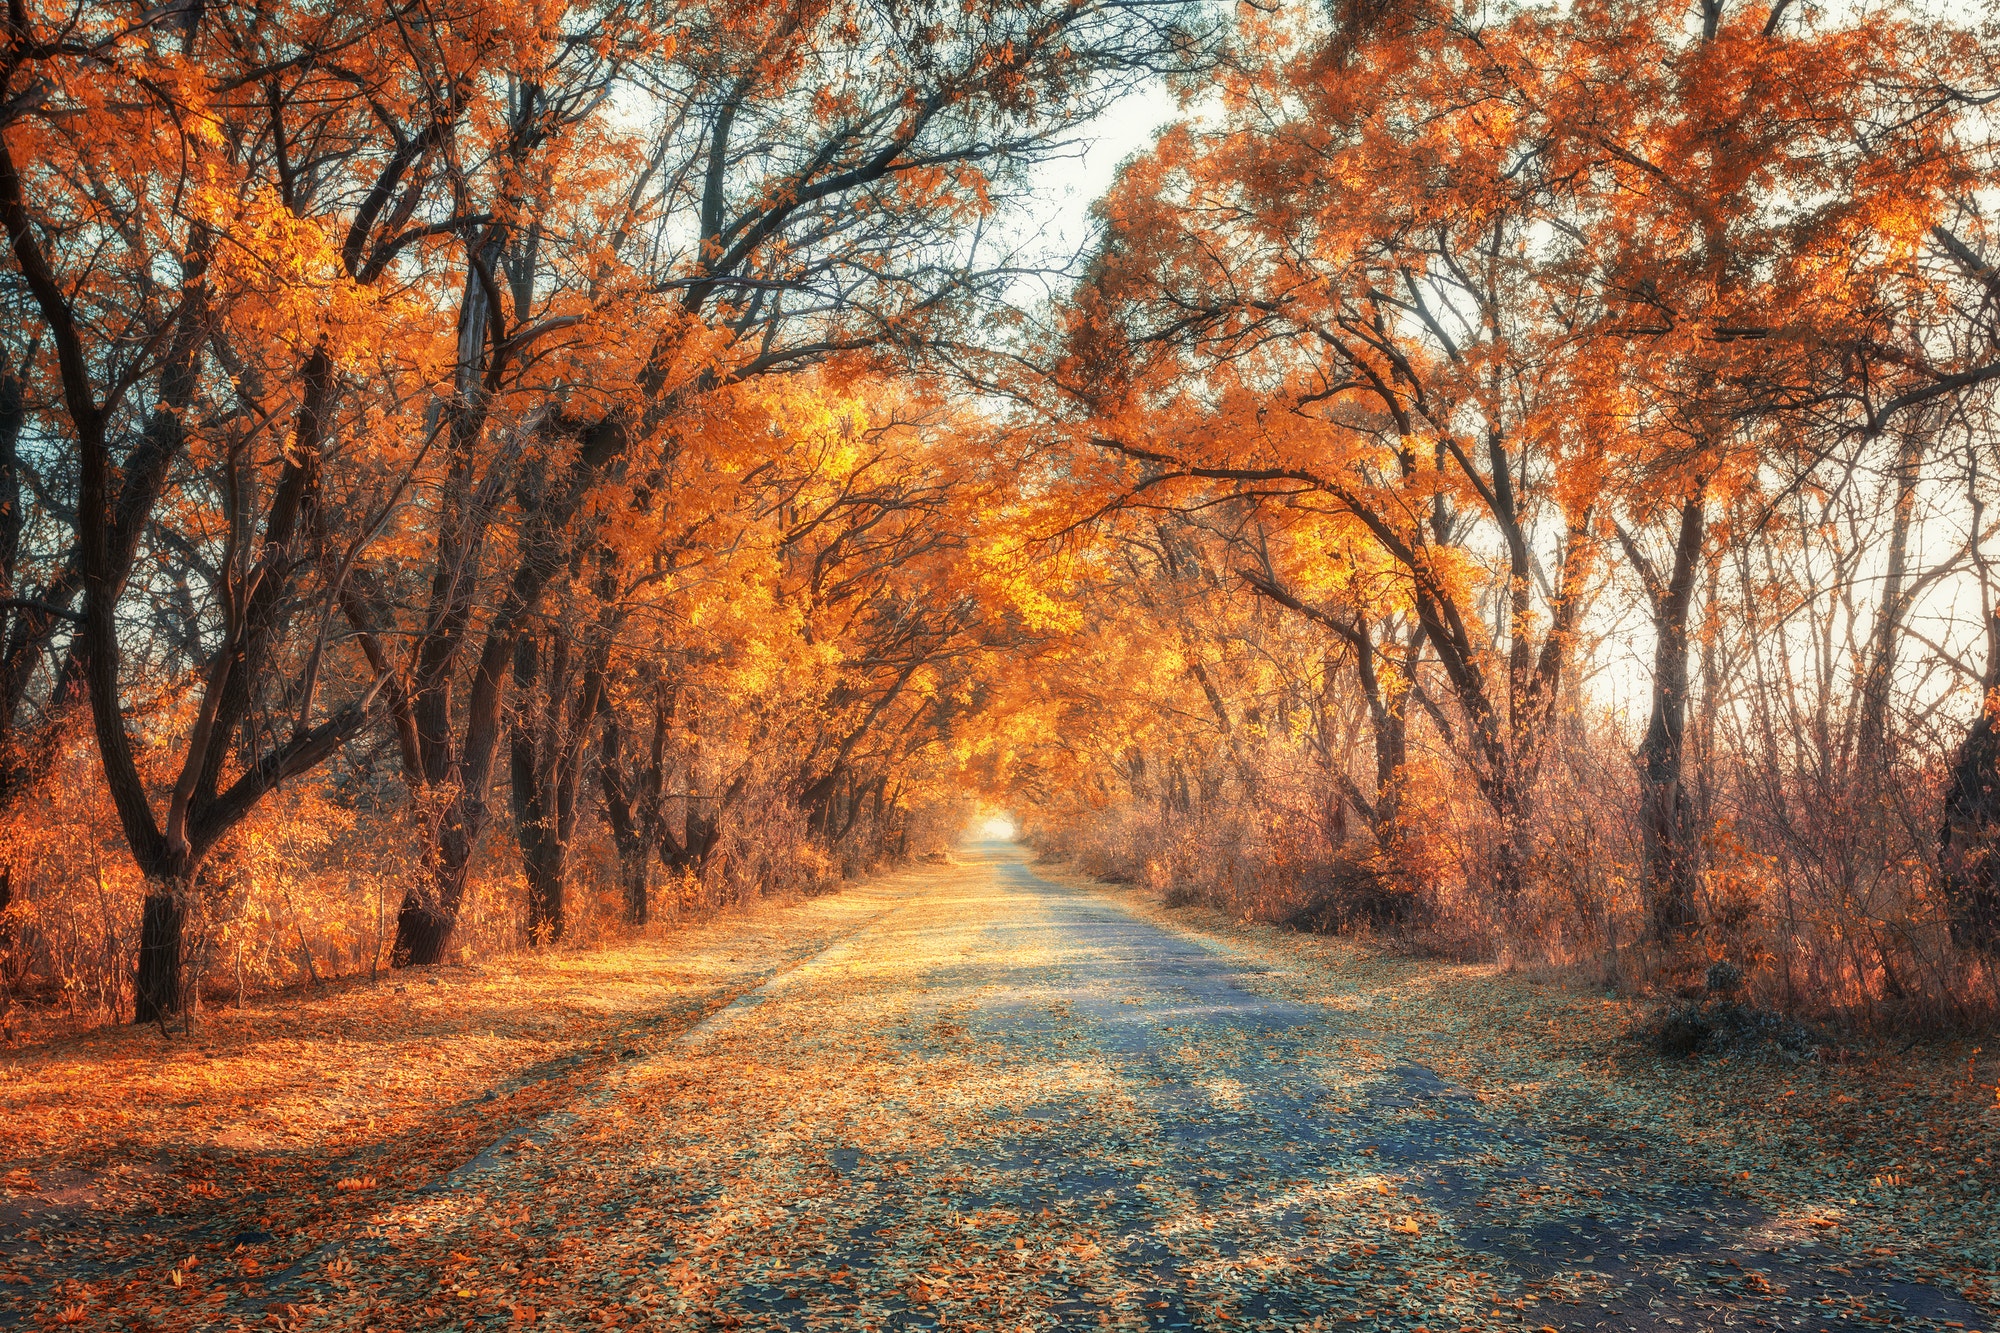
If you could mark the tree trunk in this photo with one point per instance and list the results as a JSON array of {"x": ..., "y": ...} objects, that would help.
[
  {"x": 633, "y": 794},
  {"x": 1245, "y": 774},
  {"x": 1669, "y": 836},
  {"x": 1388, "y": 721},
  {"x": 423, "y": 931},
  {"x": 429, "y": 912},
  {"x": 1392, "y": 758},
  {"x": 701, "y": 833},
  {"x": 157, "y": 985},
  {"x": 1970, "y": 829},
  {"x": 633, "y": 865},
  {"x": 544, "y": 861},
  {"x": 545, "y": 763},
  {"x": 1872, "y": 738},
  {"x": 1511, "y": 856},
  {"x": 8, "y": 968},
  {"x": 1388, "y": 702},
  {"x": 1966, "y": 838}
]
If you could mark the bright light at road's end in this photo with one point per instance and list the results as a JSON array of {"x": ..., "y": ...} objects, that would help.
[{"x": 999, "y": 827}]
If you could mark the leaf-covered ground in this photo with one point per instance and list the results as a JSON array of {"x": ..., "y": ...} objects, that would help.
[
  {"x": 996, "y": 1098},
  {"x": 154, "y": 1182},
  {"x": 1891, "y": 1151}
]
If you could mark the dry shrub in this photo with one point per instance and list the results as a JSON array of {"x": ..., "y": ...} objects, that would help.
[
  {"x": 1821, "y": 880},
  {"x": 308, "y": 889},
  {"x": 1817, "y": 883},
  {"x": 1256, "y": 861},
  {"x": 71, "y": 923}
]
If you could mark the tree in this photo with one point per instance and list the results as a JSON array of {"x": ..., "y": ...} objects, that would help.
[
  {"x": 1460, "y": 280},
  {"x": 1335, "y": 291},
  {"x": 832, "y": 168},
  {"x": 168, "y": 232}
]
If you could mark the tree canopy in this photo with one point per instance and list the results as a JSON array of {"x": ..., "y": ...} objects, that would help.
[{"x": 1513, "y": 472}]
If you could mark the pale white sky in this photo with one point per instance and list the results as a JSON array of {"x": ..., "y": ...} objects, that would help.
[{"x": 1066, "y": 189}]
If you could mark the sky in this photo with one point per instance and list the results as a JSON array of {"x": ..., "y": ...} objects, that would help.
[{"x": 1065, "y": 189}]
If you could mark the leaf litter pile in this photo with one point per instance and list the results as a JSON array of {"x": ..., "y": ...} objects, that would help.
[{"x": 1003, "y": 1102}]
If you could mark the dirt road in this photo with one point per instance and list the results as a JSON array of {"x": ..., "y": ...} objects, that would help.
[{"x": 1006, "y": 1103}]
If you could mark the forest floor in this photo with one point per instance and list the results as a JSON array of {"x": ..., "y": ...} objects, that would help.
[
  {"x": 982, "y": 1096},
  {"x": 164, "y": 1181}
]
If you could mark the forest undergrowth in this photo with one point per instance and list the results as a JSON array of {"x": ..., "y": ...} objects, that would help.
[{"x": 1776, "y": 954}]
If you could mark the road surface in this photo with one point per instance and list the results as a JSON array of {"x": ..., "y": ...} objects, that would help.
[{"x": 1005, "y": 1103}]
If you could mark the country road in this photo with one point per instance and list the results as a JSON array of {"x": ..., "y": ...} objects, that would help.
[{"x": 1003, "y": 1102}]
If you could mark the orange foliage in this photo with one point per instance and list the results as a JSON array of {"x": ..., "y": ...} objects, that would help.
[{"x": 612, "y": 426}]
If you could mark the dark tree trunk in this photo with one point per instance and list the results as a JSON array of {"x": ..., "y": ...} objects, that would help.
[
  {"x": 1969, "y": 833},
  {"x": 20, "y": 644},
  {"x": 429, "y": 912},
  {"x": 701, "y": 832},
  {"x": 633, "y": 872},
  {"x": 456, "y": 760},
  {"x": 423, "y": 930},
  {"x": 1967, "y": 838},
  {"x": 158, "y": 985},
  {"x": 1669, "y": 835},
  {"x": 634, "y": 793},
  {"x": 544, "y": 862},
  {"x": 162, "y": 980},
  {"x": 463, "y": 773},
  {"x": 552, "y": 722},
  {"x": 425, "y": 921}
]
